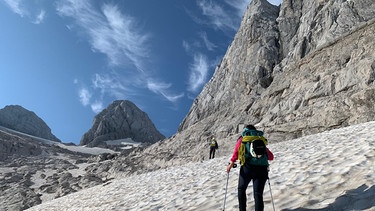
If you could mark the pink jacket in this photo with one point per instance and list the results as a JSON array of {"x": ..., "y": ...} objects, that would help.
[{"x": 235, "y": 152}]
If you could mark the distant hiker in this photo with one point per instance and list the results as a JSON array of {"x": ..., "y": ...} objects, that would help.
[
  {"x": 213, "y": 147},
  {"x": 253, "y": 154}
]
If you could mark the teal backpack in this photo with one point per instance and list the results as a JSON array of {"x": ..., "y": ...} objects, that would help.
[
  {"x": 256, "y": 153},
  {"x": 253, "y": 148}
]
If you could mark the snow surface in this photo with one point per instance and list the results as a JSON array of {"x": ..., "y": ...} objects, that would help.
[
  {"x": 86, "y": 150},
  {"x": 333, "y": 170}
]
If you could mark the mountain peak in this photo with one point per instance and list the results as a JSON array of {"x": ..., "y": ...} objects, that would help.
[{"x": 122, "y": 119}]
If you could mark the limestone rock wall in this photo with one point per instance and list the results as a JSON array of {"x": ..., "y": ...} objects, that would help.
[
  {"x": 302, "y": 68},
  {"x": 293, "y": 70}
]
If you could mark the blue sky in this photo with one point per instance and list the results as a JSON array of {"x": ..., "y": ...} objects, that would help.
[{"x": 66, "y": 60}]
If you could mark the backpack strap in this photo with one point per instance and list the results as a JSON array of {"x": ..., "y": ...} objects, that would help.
[
  {"x": 252, "y": 138},
  {"x": 241, "y": 153}
]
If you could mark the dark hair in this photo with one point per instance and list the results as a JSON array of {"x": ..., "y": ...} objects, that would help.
[{"x": 250, "y": 127}]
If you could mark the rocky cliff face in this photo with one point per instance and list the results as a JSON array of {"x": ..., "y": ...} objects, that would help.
[
  {"x": 17, "y": 118},
  {"x": 304, "y": 69},
  {"x": 293, "y": 70},
  {"x": 121, "y": 120}
]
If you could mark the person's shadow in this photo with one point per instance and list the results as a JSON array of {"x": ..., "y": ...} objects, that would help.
[{"x": 361, "y": 198}]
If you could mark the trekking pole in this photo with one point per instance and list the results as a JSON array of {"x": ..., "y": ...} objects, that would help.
[
  {"x": 226, "y": 188},
  {"x": 269, "y": 183}
]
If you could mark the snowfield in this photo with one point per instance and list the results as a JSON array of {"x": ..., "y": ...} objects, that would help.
[{"x": 333, "y": 170}]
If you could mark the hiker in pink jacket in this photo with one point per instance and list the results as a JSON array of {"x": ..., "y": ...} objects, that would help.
[{"x": 254, "y": 165}]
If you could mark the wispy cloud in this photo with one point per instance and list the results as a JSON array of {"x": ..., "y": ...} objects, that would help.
[
  {"x": 239, "y": 5},
  {"x": 26, "y": 9},
  {"x": 223, "y": 16},
  {"x": 199, "y": 68},
  {"x": 84, "y": 96},
  {"x": 162, "y": 89},
  {"x": 121, "y": 39},
  {"x": 112, "y": 85},
  {"x": 97, "y": 106},
  {"x": 115, "y": 87},
  {"x": 198, "y": 72},
  {"x": 16, "y": 7},
  {"x": 209, "y": 45},
  {"x": 40, "y": 17},
  {"x": 192, "y": 46},
  {"x": 111, "y": 32},
  {"x": 104, "y": 84},
  {"x": 218, "y": 17},
  {"x": 186, "y": 45}
]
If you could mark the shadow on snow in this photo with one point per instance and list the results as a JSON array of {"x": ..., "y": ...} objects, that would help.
[{"x": 361, "y": 198}]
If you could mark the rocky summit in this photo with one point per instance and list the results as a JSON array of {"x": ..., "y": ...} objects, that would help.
[{"x": 121, "y": 120}]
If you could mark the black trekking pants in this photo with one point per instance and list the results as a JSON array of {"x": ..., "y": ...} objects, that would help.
[
  {"x": 259, "y": 176},
  {"x": 212, "y": 152}
]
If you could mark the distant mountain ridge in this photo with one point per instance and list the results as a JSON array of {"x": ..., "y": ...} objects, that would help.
[{"x": 17, "y": 118}]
